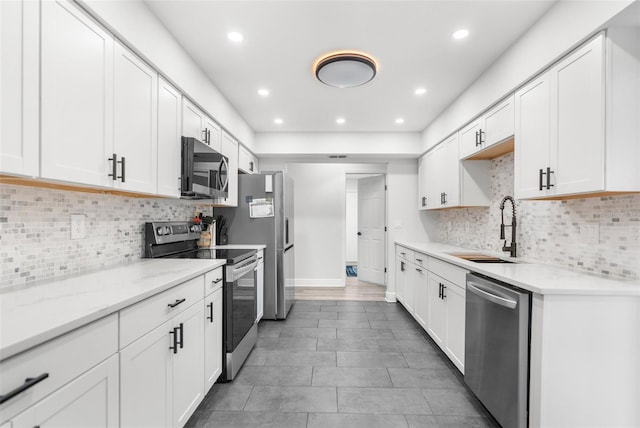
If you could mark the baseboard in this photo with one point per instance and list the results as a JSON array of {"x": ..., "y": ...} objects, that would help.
[
  {"x": 313, "y": 282},
  {"x": 390, "y": 296}
]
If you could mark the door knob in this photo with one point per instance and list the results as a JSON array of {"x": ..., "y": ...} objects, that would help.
[{"x": 359, "y": 233}]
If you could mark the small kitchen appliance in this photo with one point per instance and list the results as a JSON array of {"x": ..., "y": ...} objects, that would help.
[{"x": 239, "y": 329}]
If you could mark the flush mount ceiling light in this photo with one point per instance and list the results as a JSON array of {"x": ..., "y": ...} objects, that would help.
[{"x": 345, "y": 69}]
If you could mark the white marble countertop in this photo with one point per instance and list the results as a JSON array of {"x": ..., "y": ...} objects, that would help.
[
  {"x": 536, "y": 277},
  {"x": 33, "y": 314}
]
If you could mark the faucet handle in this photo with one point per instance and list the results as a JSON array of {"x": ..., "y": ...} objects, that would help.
[{"x": 502, "y": 233}]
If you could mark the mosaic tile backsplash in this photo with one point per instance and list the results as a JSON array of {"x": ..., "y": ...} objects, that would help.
[
  {"x": 35, "y": 230},
  {"x": 599, "y": 235}
]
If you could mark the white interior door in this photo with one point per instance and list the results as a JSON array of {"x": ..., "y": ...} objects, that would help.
[{"x": 371, "y": 225}]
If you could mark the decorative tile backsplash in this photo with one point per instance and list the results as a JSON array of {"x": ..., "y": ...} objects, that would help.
[
  {"x": 599, "y": 235},
  {"x": 35, "y": 233}
]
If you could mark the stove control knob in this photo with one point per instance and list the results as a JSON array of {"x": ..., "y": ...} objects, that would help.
[
  {"x": 195, "y": 228},
  {"x": 167, "y": 230},
  {"x": 160, "y": 231}
]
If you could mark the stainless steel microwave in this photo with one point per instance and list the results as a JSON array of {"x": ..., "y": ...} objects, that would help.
[{"x": 205, "y": 172}]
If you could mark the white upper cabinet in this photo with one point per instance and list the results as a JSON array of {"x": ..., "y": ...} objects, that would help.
[
  {"x": 135, "y": 122},
  {"x": 169, "y": 146},
  {"x": 19, "y": 85},
  {"x": 447, "y": 182},
  {"x": 76, "y": 96},
  {"x": 493, "y": 127},
  {"x": 230, "y": 150},
  {"x": 196, "y": 124},
  {"x": 247, "y": 162},
  {"x": 572, "y": 123}
]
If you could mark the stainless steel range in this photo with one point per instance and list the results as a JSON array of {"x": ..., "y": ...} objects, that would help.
[{"x": 239, "y": 329}]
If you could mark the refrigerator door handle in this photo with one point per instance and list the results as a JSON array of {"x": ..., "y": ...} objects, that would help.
[{"x": 286, "y": 230}]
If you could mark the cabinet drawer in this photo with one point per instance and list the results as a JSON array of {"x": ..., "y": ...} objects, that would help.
[
  {"x": 421, "y": 259},
  {"x": 449, "y": 272},
  {"x": 213, "y": 280},
  {"x": 63, "y": 359},
  {"x": 143, "y": 317},
  {"x": 405, "y": 253}
]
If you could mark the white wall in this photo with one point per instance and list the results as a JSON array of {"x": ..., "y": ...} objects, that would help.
[
  {"x": 320, "y": 214},
  {"x": 381, "y": 144},
  {"x": 138, "y": 27},
  {"x": 566, "y": 25}
]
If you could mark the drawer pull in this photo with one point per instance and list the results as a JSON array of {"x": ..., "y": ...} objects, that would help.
[
  {"x": 420, "y": 260},
  {"x": 176, "y": 303},
  {"x": 210, "y": 316},
  {"x": 215, "y": 281},
  {"x": 28, "y": 383}
]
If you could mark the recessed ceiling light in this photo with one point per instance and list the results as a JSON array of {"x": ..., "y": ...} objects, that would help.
[
  {"x": 340, "y": 120},
  {"x": 278, "y": 121},
  {"x": 460, "y": 34},
  {"x": 263, "y": 92},
  {"x": 399, "y": 121},
  {"x": 420, "y": 91},
  {"x": 234, "y": 36},
  {"x": 345, "y": 69}
]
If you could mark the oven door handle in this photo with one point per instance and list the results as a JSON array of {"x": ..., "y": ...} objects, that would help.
[
  {"x": 507, "y": 303},
  {"x": 240, "y": 271}
]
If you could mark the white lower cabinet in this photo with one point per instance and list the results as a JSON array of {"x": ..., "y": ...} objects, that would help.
[
  {"x": 260, "y": 286},
  {"x": 433, "y": 292},
  {"x": 162, "y": 372},
  {"x": 91, "y": 400},
  {"x": 212, "y": 338}
]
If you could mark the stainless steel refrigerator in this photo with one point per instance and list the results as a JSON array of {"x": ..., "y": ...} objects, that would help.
[{"x": 265, "y": 216}]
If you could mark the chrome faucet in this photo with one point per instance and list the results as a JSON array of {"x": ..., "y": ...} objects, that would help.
[{"x": 511, "y": 248}]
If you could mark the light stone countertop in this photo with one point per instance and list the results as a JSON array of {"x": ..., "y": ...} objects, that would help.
[
  {"x": 31, "y": 315},
  {"x": 536, "y": 277},
  {"x": 239, "y": 247}
]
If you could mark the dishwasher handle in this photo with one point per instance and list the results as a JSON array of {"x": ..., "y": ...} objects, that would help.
[{"x": 477, "y": 289}]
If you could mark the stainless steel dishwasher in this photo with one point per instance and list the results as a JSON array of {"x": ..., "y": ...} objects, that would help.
[{"x": 497, "y": 348}]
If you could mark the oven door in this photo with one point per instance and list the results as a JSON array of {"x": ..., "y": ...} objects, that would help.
[{"x": 240, "y": 301}]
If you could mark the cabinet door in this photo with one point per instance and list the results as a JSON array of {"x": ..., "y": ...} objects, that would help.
[
  {"x": 145, "y": 380},
  {"x": 76, "y": 96},
  {"x": 470, "y": 139},
  {"x": 436, "y": 312},
  {"x": 498, "y": 123},
  {"x": 260, "y": 288},
  {"x": 90, "y": 400},
  {"x": 230, "y": 149},
  {"x": 188, "y": 364},
  {"x": 532, "y": 136},
  {"x": 214, "y": 134},
  {"x": 455, "y": 317},
  {"x": 135, "y": 124},
  {"x": 420, "y": 279},
  {"x": 401, "y": 279},
  {"x": 192, "y": 121},
  {"x": 423, "y": 180},
  {"x": 451, "y": 172},
  {"x": 19, "y": 83},
  {"x": 435, "y": 176},
  {"x": 212, "y": 339},
  {"x": 577, "y": 150},
  {"x": 409, "y": 288},
  {"x": 169, "y": 148},
  {"x": 244, "y": 160}
]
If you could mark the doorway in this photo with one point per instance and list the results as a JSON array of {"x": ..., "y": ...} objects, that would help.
[{"x": 365, "y": 227}]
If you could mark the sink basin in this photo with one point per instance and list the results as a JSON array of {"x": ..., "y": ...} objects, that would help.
[{"x": 480, "y": 258}]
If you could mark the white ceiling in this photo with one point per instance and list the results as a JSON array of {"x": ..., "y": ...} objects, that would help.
[{"x": 411, "y": 41}]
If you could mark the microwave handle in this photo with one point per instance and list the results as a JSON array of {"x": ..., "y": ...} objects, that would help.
[{"x": 225, "y": 164}]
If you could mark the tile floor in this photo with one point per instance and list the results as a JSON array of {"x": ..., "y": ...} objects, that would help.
[{"x": 343, "y": 364}]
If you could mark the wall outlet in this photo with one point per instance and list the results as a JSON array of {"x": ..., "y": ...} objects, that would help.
[
  {"x": 77, "y": 226},
  {"x": 635, "y": 233},
  {"x": 590, "y": 232}
]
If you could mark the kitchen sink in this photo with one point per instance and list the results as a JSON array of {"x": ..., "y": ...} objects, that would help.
[{"x": 480, "y": 258}]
